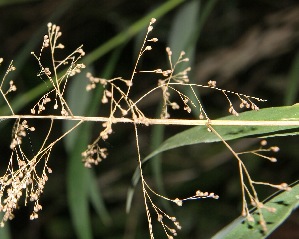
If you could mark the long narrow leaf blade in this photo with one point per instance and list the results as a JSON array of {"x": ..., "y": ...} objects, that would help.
[
  {"x": 78, "y": 178},
  {"x": 200, "y": 134},
  {"x": 78, "y": 192},
  {"x": 97, "y": 200},
  {"x": 285, "y": 203}
]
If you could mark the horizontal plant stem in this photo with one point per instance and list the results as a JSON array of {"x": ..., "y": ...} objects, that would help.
[{"x": 160, "y": 121}]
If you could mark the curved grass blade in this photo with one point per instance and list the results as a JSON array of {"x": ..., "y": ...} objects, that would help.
[
  {"x": 78, "y": 178},
  {"x": 97, "y": 200},
  {"x": 183, "y": 38},
  {"x": 180, "y": 36},
  {"x": 293, "y": 82},
  {"x": 284, "y": 203},
  {"x": 77, "y": 185},
  {"x": 200, "y": 134}
]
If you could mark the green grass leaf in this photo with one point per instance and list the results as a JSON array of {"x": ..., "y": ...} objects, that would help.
[
  {"x": 200, "y": 134},
  {"x": 78, "y": 178},
  {"x": 284, "y": 203},
  {"x": 293, "y": 82},
  {"x": 180, "y": 36},
  {"x": 77, "y": 186},
  {"x": 97, "y": 200}
]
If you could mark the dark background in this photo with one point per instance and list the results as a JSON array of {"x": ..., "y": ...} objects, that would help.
[{"x": 247, "y": 46}]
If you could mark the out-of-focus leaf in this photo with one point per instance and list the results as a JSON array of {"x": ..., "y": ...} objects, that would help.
[
  {"x": 97, "y": 200},
  {"x": 180, "y": 36},
  {"x": 204, "y": 14},
  {"x": 78, "y": 179},
  {"x": 293, "y": 82},
  {"x": 4, "y": 231},
  {"x": 183, "y": 38},
  {"x": 78, "y": 99},
  {"x": 77, "y": 185},
  {"x": 284, "y": 203},
  {"x": 9, "y": 2}
]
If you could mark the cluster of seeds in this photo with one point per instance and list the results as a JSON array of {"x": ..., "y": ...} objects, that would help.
[
  {"x": 21, "y": 182},
  {"x": 21, "y": 178},
  {"x": 93, "y": 155},
  {"x": 19, "y": 132}
]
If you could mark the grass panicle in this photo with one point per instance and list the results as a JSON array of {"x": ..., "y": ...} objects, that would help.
[{"x": 24, "y": 180}]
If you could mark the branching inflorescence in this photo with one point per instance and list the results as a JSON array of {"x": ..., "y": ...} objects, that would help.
[
  {"x": 50, "y": 73},
  {"x": 22, "y": 177}
]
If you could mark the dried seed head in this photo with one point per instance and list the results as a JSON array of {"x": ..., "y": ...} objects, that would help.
[
  {"x": 284, "y": 186},
  {"x": 212, "y": 84},
  {"x": 272, "y": 159},
  {"x": 250, "y": 218},
  {"x": 153, "y": 39},
  {"x": 263, "y": 143},
  {"x": 153, "y": 20},
  {"x": 275, "y": 149},
  {"x": 150, "y": 28},
  {"x": 169, "y": 52},
  {"x": 178, "y": 226},
  {"x": 178, "y": 202}
]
